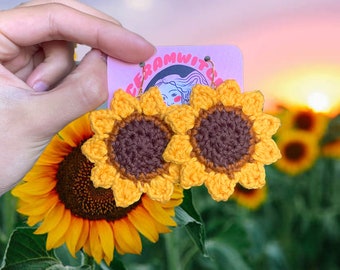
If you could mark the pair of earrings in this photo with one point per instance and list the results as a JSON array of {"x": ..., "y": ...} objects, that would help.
[{"x": 220, "y": 138}]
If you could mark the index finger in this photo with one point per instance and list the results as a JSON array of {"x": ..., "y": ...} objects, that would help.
[{"x": 32, "y": 25}]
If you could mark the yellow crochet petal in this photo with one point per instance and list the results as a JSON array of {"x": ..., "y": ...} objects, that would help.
[
  {"x": 95, "y": 150},
  {"x": 251, "y": 102},
  {"x": 266, "y": 125},
  {"x": 125, "y": 192},
  {"x": 159, "y": 189},
  {"x": 123, "y": 104},
  {"x": 174, "y": 171},
  {"x": 152, "y": 102},
  {"x": 181, "y": 118},
  {"x": 202, "y": 97},
  {"x": 193, "y": 174},
  {"x": 228, "y": 92},
  {"x": 220, "y": 186},
  {"x": 266, "y": 151},
  {"x": 178, "y": 149},
  {"x": 252, "y": 175},
  {"x": 102, "y": 121},
  {"x": 103, "y": 175}
]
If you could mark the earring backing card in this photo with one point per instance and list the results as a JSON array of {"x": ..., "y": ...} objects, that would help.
[{"x": 176, "y": 69}]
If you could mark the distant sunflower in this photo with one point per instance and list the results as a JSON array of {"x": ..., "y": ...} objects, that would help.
[
  {"x": 304, "y": 119},
  {"x": 331, "y": 149},
  {"x": 127, "y": 148},
  {"x": 222, "y": 138},
  {"x": 58, "y": 193},
  {"x": 299, "y": 151},
  {"x": 249, "y": 198}
]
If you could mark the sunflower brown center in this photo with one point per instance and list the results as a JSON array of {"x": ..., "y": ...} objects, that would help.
[
  {"x": 76, "y": 190},
  {"x": 240, "y": 189},
  {"x": 294, "y": 151},
  {"x": 223, "y": 139},
  {"x": 136, "y": 147},
  {"x": 304, "y": 120}
]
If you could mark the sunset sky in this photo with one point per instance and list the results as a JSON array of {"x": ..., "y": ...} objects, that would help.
[{"x": 290, "y": 48}]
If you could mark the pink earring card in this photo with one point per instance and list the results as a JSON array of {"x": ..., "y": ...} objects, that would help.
[{"x": 176, "y": 69}]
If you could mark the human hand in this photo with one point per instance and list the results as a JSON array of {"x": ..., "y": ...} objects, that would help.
[{"x": 40, "y": 90}]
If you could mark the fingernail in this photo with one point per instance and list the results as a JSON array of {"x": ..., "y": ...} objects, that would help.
[{"x": 40, "y": 86}]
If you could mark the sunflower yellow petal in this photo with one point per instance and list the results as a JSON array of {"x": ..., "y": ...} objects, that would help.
[
  {"x": 162, "y": 228},
  {"x": 157, "y": 212},
  {"x": 144, "y": 223},
  {"x": 33, "y": 220},
  {"x": 87, "y": 247},
  {"x": 95, "y": 244},
  {"x": 95, "y": 150},
  {"x": 159, "y": 189},
  {"x": 125, "y": 192},
  {"x": 266, "y": 151},
  {"x": 102, "y": 121},
  {"x": 181, "y": 118},
  {"x": 38, "y": 207},
  {"x": 52, "y": 219},
  {"x": 251, "y": 102},
  {"x": 73, "y": 235},
  {"x": 84, "y": 234},
  {"x": 266, "y": 125},
  {"x": 38, "y": 187},
  {"x": 123, "y": 104},
  {"x": 127, "y": 237},
  {"x": 202, "y": 97},
  {"x": 73, "y": 134},
  {"x": 252, "y": 175},
  {"x": 192, "y": 174},
  {"x": 220, "y": 186},
  {"x": 103, "y": 175},
  {"x": 55, "y": 237},
  {"x": 106, "y": 238},
  {"x": 178, "y": 149},
  {"x": 152, "y": 102},
  {"x": 228, "y": 92}
]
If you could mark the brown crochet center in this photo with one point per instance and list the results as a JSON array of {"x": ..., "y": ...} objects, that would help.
[
  {"x": 223, "y": 139},
  {"x": 136, "y": 145},
  {"x": 76, "y": 190}
]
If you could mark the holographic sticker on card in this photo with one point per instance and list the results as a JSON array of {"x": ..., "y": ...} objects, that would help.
[{"x": 176, "y": 69}]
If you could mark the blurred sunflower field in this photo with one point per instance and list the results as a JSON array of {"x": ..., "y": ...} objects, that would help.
[{"x": 293, "y": 222}]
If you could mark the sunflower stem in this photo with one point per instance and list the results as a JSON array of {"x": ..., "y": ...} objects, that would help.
[
  {"x": 172, "y": 254},
  {"x": 88, "y": 260}
]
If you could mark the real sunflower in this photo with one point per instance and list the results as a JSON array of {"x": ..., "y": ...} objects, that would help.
[
  {"x": 299, "y": 151},
  {"x": 304, "y": 119},
  {"x": 249, "y": 198},
  {"x": 58, "y": 195},
  {"x": 127, "y": 148},
  {"x": 221, "y": 138},
  {"x": 331, "y": 149}
]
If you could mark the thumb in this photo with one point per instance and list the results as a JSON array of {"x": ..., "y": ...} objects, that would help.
[{"x": 83, "y": 90}]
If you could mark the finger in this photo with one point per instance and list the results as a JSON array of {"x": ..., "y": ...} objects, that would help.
[
  {"x": 57, "y": 64},
  {"x": 82, "y": 91},
  {"x": 73, "y": 4},
  {"x": 32, "y": 25}
]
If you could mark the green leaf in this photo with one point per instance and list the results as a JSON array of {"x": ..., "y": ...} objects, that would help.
[
  {"x": 27, "y": 251},
  {"x": 187, "y": 215},
  {"x": 226, "y": 257}
]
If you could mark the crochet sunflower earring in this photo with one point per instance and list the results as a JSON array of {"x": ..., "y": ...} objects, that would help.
[
  {"x": 222, "y": 138},
  {"x": 127, "y": 147}
]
